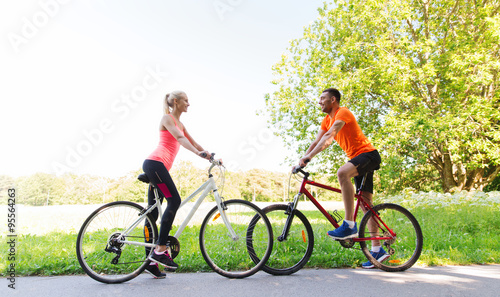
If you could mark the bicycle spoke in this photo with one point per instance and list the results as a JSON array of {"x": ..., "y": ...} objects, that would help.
[
  {"x": 403, "y": 249},
  {"x": 290, "y": 254},
  {"x": 232, "y": 257},
  {"x": 100, "y": 248}
]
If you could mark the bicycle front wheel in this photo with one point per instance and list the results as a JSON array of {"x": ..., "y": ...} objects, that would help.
[
  {"x": 291, "y": 253},
  {"x": 100, "y": 246},
  {"x": 404, "y": 249},
  {"x": 229, "y": 255}
]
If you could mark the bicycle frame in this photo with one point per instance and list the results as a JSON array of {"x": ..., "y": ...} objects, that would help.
[
  {"x": 360, "y": 202},
  {"x": 207, "y": 187}
]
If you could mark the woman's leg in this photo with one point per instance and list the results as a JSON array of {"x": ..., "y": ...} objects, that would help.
[
  {"x": 154, "y": 214},
  {"x": 161, "y": 179}
]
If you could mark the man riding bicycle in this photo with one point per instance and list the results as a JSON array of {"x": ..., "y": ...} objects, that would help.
[{"x": 341, "y": 125}]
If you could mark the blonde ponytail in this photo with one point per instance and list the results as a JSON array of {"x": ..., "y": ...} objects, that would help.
[{"x": 168, "y": 103}]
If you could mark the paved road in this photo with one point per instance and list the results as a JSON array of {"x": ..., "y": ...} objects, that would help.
[{"x": 417, "y": 281}]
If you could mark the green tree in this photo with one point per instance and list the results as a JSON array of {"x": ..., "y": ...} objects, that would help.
[
  {"x": 187, "y": 177},
  {"x": 6, "y": 183},
  {"x": 421, "y": 76},
  {"x": 262, "y": 185},
  {"x": 39, "y": 189},
  {"x": 128, "y": 188}
]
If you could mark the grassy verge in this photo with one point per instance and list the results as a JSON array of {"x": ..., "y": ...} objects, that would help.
[
  {"x": 452, "y": 236},
  {"x": 55, "y": 254},
  {"x": 457, "y": 234}
]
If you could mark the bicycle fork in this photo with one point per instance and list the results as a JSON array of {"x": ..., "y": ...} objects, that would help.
[{"x": 290, "y": 211}]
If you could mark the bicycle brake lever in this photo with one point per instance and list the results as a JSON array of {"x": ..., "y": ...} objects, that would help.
[{"x": 296, "y": 169}]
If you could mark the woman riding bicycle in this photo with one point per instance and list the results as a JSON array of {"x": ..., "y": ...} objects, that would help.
[{"x": 173, "y": 134}]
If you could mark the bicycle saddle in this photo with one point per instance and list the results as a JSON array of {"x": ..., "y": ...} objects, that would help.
[{"x": 143, "y": 178}]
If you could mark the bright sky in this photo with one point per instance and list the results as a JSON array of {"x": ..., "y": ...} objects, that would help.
[{"x": 83, "y": 82}]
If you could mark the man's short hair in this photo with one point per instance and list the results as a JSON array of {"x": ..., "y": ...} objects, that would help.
[{"x": 333, "y": 92}]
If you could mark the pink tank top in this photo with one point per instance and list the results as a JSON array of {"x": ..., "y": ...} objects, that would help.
[{"x": 167, "y": 149}]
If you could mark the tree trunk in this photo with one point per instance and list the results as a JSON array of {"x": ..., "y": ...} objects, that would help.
[{"x": 449, "y": 183}]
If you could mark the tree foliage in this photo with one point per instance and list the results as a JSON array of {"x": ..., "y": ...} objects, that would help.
[{"x": 421, "y": 76}]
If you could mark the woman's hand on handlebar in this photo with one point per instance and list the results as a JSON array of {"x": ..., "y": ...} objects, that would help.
[
  {"x": 210, "y": 157},
  {"x": 205, "y": 155}
]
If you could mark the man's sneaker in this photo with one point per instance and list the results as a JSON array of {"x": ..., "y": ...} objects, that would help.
[
  {"x": 344, "y": 232},
  {"x": 381, "y": 256},
  {"x": 164, "y": 259},
  {"x": 155, "y": 271}
]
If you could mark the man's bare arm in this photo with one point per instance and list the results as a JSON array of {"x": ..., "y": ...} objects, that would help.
[{"x": 324, "y": 142}]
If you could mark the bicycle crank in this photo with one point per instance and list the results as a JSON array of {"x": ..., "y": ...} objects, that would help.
[
  {"x": 175, "y": 246},
  {"x": 347, "y": 243}
]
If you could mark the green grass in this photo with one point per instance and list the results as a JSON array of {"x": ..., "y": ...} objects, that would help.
[
  {"x": 55, "y": 254},
  {"x": 453, "y": 235}
]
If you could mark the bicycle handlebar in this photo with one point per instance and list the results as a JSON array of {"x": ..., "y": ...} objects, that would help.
[
  {"x": 204, "y": 155},
  {"x": 299, "y": 168},
  {"x": 212, "y": 160}
]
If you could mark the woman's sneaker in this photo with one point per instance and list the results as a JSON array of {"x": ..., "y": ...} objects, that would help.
[
  {"x": 381, "y": 256},
  {"x": 164, "y": 259},
  {"x": 155, "y": 271}
]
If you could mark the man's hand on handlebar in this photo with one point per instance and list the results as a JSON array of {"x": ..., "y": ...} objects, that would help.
[{"x": 303, "y": 162}]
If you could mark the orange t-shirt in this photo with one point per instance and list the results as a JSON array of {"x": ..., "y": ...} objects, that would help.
[{"x": 350, "y": 138}]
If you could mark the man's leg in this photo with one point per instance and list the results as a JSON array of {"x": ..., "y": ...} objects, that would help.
[
  {"x": 372, "y": 227},
  {"x": 345, "y": 174},
  {"x": 348, "y": 228},
  {"x": 376, "y": 249}
]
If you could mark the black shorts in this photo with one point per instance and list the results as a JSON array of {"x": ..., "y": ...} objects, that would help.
[{"x": 366, "y": 162}]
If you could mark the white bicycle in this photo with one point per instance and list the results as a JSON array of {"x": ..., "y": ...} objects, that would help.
[{"x": 115, "y": 241}]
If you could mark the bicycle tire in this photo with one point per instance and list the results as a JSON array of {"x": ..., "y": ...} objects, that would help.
[
  {"x": 229, "y": 257},
  {"x": 405, "y": 248},
  {"x": 292, "y": 254},
  {"x": 95, "y": 236}
]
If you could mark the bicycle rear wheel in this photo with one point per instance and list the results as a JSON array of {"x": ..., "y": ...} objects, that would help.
[
  {"x": 291, "y": 254},
  {"x": 100, "y": 248},
  {"x": 405, "y": 248},
  {"x": 230, "y": 256}
]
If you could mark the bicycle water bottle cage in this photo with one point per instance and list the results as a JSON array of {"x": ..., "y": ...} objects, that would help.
[{"x": 336, "y": 216}]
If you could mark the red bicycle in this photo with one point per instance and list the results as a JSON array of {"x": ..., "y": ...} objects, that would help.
[{"x": 394, "y": 226}]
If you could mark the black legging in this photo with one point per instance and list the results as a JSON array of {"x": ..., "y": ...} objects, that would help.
[{"x": 158, "y": 175}]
